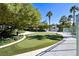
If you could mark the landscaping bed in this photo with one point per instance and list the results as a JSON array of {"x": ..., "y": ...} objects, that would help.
[{"x": 11, "y": 39}]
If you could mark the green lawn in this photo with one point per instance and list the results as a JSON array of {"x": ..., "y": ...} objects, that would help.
[
  {"x": 32, "y": 42},
  {"x": 9, "y": 40}
]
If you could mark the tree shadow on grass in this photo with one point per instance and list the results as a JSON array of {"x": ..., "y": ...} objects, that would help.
[
  {"x": 53, "y": 37},
  {"x": 38, "y": 37},
  {"x": 42, "y": 37}
]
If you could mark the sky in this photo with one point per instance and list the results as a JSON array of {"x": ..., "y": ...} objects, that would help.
[{"x": 58, "y": 10}]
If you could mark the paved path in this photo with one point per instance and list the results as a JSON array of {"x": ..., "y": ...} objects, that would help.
[
  {"x": 25, "y": 33},
  {"x": 66, "y": 47}
]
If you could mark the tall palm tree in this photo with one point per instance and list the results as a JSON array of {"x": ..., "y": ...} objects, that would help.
[
  {"x": 73, "y": 10},
  {"x": 49, "y": 14}
]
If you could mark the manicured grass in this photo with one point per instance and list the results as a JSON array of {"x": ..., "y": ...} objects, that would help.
[{"x": 32, "y": 42}]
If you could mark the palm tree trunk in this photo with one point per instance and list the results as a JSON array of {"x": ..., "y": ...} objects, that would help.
[
  {"x": 74, "y": 20},
  {"x": 74, "y": 17},
  {"x": 49, "y": 23}
]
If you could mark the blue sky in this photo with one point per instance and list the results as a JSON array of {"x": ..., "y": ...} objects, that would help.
[{"x": 58, "y": 10}]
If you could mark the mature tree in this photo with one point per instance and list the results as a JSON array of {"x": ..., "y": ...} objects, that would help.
[
  {"x": 49, "y": 14},
  {"x": 17, "y": 16},
  {"x": 5, "y": 21},
  {"x": 69, "y": 17},
  {"x": 63, "y": 20},
  {"x": 36, "y": 19},
  {"x": 43, "y": 25},
  {"x": 26, "y": 15},
  {"x": 64, "y": 23}
]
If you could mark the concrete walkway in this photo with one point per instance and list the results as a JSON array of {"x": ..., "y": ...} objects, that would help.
[
  {"x": 25, "y": 33},
  {"x": 66, "y": 47}
]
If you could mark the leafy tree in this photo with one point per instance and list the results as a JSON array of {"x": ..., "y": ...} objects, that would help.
[
  {"x": 69, "y": 17},
  {"x": 17, "y": 16},
  {"x": 63, "y": 20},
  {"x": 70, "y": 20},
  {"x": 64, "y": 23},
  {"x": 5, "y": 21},
  {"x": 26, "y": 15},
  {"x": 43, "y": 25},
  {"x": 36, "y": 19}
]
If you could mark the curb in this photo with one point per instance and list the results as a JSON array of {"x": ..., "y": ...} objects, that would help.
[
  {"x": 3, "y": 46},
  {"x": 53, "y": 46}
]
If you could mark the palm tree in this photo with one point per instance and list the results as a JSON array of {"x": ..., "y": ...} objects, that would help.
[
  {"x": 49, "y": 14},
  {"x": 73, "y": 10}
]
